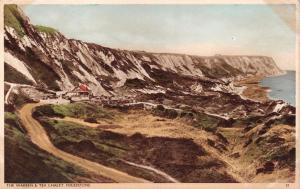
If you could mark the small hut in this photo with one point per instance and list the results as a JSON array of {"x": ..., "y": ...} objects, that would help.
[{"x": 82, "y": 90}]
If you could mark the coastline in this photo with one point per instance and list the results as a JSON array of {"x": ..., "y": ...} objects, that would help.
[
  {"x": 253, "y": 88},
  {"x": 254, "y": 91},
  {"x": 275, "y": 97}
]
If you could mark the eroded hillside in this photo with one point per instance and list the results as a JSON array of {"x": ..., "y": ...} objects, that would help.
[{"x": 155, "y": 117}]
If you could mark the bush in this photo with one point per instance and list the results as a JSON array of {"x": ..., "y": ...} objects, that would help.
[
  {"x": 160, "y": 107},
  {"x": 82, "y": 110},
  {"x": 13, "y": 120},
  {"x": 91, "y": 120},
  {"x": 210, "y": 129},
  {"x": 172, "y": 114},
  {"x": 46, "y": 110}
]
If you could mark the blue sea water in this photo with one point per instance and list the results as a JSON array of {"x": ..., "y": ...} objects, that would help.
[{"x": 282, "y": 87}]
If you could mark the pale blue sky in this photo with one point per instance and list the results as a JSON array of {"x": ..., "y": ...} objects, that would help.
[{"x": 190, "y": 29}]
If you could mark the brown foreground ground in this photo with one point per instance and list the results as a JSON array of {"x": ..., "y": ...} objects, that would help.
[{"x": 175, "y": 146}]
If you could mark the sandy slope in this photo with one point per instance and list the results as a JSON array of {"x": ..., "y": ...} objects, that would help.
[{"x": 39, "y": 137}]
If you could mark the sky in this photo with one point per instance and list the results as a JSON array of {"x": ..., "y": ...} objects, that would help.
[{"x": 203, "y": 30}]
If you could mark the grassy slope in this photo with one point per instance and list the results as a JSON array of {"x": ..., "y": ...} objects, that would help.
[
  {"x": 256, "y": 148},
  {"x": 107, "y": 147},
  {"x": 77, "y": 110},
  {"x": 44, "y": 29},
  {"x": 25, "y": 162},
  {"x": 13, "y": 19},
  {"x": 108, "y": 150},
  {"x": 110, "y": 147}
]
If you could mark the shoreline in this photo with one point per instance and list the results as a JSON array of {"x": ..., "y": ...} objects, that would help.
[{"x": 254, "y": 91}]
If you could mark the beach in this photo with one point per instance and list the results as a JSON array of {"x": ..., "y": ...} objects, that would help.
[{"x": 254, "y": 90}]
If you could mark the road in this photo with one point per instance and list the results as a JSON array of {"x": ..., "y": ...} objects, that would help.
[{"x": 39, "y": 137}]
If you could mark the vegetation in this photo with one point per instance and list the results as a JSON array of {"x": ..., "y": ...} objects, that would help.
[
  {"x": 272, "y": 147},
  {"x": 253, "y": 152},
  {"x": 12, "y": 18},
  {"x": 10, "y": 116},
  {"x": 62, "y": 131},
  {"x": 91, "y": 120},
  {"x": 206, "y": 122},
  {"x": 286, "y": 155},
  {"x": 164, "y": 112},
  {"x": 77, "y": 110},
  {"x": 26, "y": 163},
  {"x": 109, "y": 148},
  {"x": 93, "y": 144},
  {"x": 46, "y": 110},
  {"x": 44, "y": 29}
]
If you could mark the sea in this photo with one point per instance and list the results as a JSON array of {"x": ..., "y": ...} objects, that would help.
[{"x": 282, "y": 87}]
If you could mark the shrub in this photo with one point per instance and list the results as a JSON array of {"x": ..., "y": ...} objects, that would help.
[
  {"x": 172, "y": 114},
  {"x": 91, "y": 120},
  {"x": 45, "y": 110},
  {"x": 160, "y": 107}
]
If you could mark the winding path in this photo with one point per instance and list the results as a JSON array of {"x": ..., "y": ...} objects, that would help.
[{"x": 39, "y": 137}]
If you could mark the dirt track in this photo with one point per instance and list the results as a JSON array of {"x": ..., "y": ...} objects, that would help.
[{"x": 39, "y": 137}]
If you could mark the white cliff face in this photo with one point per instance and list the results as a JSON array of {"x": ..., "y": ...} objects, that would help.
[
  {"x": 18, "y": 65},
  {"x": 258, "y": 65},
  {"x": 182, "y": 64},
  {"x": 73, "y": 61}
]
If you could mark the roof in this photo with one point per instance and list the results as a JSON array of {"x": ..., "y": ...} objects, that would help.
[{"x": 81, "y": 88}]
